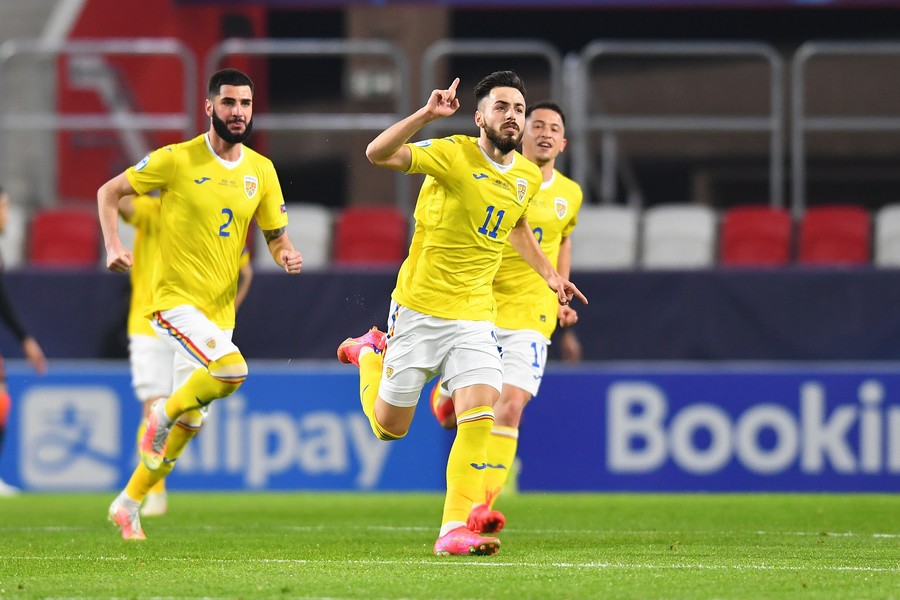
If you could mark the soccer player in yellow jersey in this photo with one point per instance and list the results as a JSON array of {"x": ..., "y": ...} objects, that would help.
[
  {"x": 210, "y": 188},
  {"x": 153, "y": 361},
  {"x": 527, "y": 313},
  {"x": 473, "y": 200}
]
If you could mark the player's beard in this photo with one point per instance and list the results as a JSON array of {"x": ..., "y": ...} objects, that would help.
[
  {"x": 232, "y": 138},
  {"x": 501, "y": 141}
]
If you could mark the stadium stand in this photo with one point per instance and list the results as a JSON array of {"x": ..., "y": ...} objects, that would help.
[
  {"x": 755, "y": 235},
  {"x": 12, "y": 242},
  {"x": 370, "y": 236},
  {"x": 64, "y": 237},
  {"x": 887, "y": 236},
  {"x": 605, "y": 238},
  {"x": 838, "y": 234},
  {"x": 679, "y": 236}
]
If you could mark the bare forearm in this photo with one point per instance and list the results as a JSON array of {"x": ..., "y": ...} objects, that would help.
[
  {"x": 564, "y": 263},
  {"x": 528, "y": 248},
  {"x": 388, "y": 150}
]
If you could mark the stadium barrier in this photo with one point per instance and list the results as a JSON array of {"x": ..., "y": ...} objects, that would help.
[{"x": 670, "y": 427}]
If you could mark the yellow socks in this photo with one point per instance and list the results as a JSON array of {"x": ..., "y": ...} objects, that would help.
[
  {"x": 501, "y": 453},
  {"x": 467, "y": 463},
  {"x": 370, "y": 365},
  {"x": 222, "y": 378}
]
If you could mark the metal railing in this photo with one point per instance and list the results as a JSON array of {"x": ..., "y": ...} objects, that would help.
[
  {"x": 319, "y": 121},
  {"x": 801, "y": 122},
  {"x": 586, "y": 123},
  {"x": 444, "y": 49}
]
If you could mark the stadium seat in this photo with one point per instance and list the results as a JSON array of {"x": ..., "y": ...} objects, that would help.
[
  {"x": 755, "y": 236},
  {"x": 887, "y": 236},
  {"x": 310, "y": 229},
  {"x": 605, "y": 238},
  {"x": 64, "y": 237},
  {"x": 835, "y": 235},
  {"x": 12, "y": 241},
  {"x": 370, "y": 236},
  {"x": 678, "y": 236}
]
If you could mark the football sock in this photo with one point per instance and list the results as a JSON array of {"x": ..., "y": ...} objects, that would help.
[
  {"x": 143, "y": 480},
  {"x": 466, "y": 463},
  {"x": 221, "y": 378},
  {"x": 501, "y": 453},
  {"x": 370, "y": 364}
]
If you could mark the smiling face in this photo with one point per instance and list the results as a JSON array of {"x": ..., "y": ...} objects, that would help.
[
  {"x": 501, "y": 115},
  {"x": 545, "y": 136}
]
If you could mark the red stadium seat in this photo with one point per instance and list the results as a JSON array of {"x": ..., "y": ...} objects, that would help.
[
  {"x": 835, "y": 235},
  {"x": 370, "y": 236},
  {"x": 64, "y": 237},
  {"x": 755, "y": 236}
]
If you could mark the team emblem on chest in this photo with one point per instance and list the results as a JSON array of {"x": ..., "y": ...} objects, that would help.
[
  {"x": 251, "y": 184},
  {"x": 521, "y": 189},
  {"x": 561, "y": 206}
]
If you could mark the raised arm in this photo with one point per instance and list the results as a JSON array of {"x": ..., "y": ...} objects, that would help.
[{"x": 388, "y": 148}]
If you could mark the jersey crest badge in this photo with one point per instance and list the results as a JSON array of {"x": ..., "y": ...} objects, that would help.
[
  {"x": 521, "y": 189},
  {"x": 211, "y": 343},
  {"x": 389, "y": 372},
  {"x": 561, "y": 205},
  {"x": 251, "y": 184}
]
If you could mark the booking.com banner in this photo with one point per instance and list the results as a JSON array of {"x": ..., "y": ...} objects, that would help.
[
  {"x": 685, "y": 427},
  {"x": 754, "y": 427}
]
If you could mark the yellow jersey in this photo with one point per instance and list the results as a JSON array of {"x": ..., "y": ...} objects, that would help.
[
  {"x": 145, "y": 220},
  {"x": 523, "y": 299},
  {"x": 206, "y": 205},
  {"x": 466, "y": 208}
]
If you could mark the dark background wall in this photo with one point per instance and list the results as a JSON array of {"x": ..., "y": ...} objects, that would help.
[{"x": 794, "y": 314}]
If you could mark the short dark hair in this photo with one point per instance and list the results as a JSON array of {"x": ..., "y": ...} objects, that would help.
[
  {"x": 495, "y": 80},
  {"x": 227, "y": 77},
  {"x": 546, "y": 104}
]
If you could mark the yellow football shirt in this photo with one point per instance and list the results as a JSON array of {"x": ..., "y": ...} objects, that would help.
[
  {"x": 145, "y": 220},
  {"x": 523, "y": 299},
  {"x": 466, "y": 208},
  {"x": 206, "y": 205}
]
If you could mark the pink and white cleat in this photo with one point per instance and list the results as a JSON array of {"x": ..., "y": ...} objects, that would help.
[
  {"x": 484, "y": 519},
  {"x": 463, "y": 541},
  {"x": 127, "y": 520},
  {"x": 153, "y": 445},
  {"x": 348, "y": 351}
]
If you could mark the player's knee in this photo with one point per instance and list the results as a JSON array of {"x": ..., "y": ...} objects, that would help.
[
  {"x": 385, "y": 435},
  {"x": 229, "y": 372}
]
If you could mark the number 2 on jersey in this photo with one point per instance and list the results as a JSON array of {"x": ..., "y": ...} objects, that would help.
[
  {"x": 484, "y": 227},
  {"x": 229, "y": 217}
]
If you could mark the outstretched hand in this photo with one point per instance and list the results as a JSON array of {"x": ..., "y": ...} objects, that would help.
[
  {"x": 565, "y": 290},
  {"x": 444, "y": 103}
]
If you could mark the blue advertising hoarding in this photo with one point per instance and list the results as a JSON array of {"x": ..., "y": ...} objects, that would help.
[{"x": 641, "y": 427}]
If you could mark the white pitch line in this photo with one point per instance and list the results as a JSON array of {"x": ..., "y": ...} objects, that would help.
[
  {"x": 580, "y": 532},
  {"x": 480, "y": 563}
]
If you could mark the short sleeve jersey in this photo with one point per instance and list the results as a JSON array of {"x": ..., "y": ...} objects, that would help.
[
  {"x": 466, "y": 208},
  {"x": 206, "y": 205},
  {"x": 145, "y": 220},
  {"x": 523, "y": 299}
]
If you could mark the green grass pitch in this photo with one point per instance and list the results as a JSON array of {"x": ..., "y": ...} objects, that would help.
[{"x": 318, "y": 545}]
